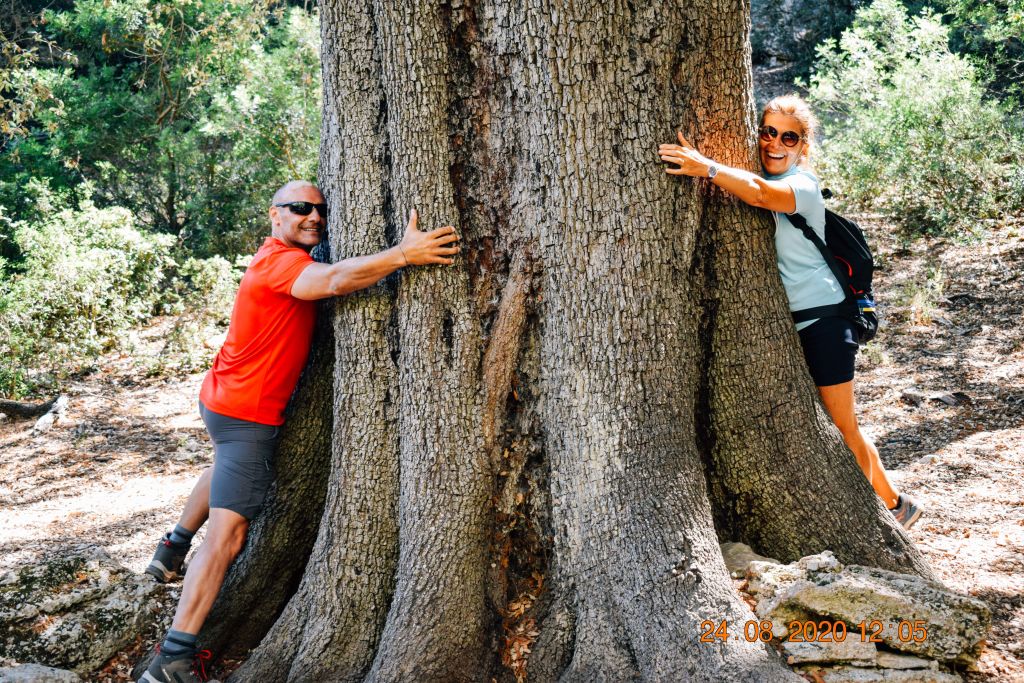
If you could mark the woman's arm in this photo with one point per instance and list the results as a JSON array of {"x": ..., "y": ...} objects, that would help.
[{"x": 773, "y": 195}]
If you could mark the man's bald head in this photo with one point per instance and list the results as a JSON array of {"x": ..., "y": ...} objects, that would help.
[
  {"x": 298, "y": 214},
  {"x": 287, "y": 192}
]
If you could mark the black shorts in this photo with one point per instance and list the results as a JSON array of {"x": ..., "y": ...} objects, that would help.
[
  {"x": 243, "y": 453},
  {"x": 830, "y": 349}
]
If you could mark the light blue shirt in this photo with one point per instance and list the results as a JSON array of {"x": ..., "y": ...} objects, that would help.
[{"x": 807, "y": 278}]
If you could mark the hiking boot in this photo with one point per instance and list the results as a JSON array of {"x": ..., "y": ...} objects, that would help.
[
  {"x": 164, "y": 669},
  {"x": 168, "y": 560},
  {"x": 907, "y": 511}
]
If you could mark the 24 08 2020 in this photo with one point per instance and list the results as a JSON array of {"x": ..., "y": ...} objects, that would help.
[{"x": 817, "y": 631}]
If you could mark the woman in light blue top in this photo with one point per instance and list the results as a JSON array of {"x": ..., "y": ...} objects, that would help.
[{"x": 786, "y": 137}]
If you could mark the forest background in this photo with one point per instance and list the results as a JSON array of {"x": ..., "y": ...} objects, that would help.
[{"x": 142, "y": 140}]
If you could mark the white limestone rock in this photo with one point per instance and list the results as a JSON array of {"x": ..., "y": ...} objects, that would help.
[
  {"x": 75, "y": 611},
  {"x": 845, "y": 674},
  {"x": 891, "y": 660},
  {"x": 738, "y": 557},
  {"x": 849, "y": 651},
  {"x": 937, "y": 623},
  {"x": 37, "y": 673}
]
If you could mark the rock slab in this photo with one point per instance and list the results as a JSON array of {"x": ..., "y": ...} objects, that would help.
[
  {"x": 906, "y": 613},
  {"x": 37, "y": 673},
  {"x": 851, "y": 651},
  {"x": 73, "y": 612},
  {"x": 844, "y": 674},
  {"x": 738, "y": 557}
]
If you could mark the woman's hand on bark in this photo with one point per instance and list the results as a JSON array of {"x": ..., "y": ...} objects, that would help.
[
  {"x": 424, "y": 248},
  {"x": 689, "y": 160}
]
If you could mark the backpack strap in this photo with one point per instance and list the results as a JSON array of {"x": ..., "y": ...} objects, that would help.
[
  {"x": 843, "y": 308},
  {"x": 801, "y": 223},
  {"x": 840, "y": 310}
]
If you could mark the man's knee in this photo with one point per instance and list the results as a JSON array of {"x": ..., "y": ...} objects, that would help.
[
  {"x": 236, "y": 542},
  {"x": 228, "y": 535}
]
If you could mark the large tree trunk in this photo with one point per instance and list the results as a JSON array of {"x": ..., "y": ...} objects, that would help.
[{"x": 538, "y": 443}]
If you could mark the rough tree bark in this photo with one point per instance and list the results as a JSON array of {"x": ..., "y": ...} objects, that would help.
[{"x": 546, "y": 440}]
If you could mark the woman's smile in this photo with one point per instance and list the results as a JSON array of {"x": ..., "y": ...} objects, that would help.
[{"x": 776, "y": 157}]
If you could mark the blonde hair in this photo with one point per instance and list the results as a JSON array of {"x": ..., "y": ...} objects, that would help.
[{"x": 795, "y": 106}]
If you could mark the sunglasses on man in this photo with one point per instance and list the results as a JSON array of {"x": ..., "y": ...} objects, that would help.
[
  {"x": 790, "y": 138},
  {"x": 305, "y": 208}
]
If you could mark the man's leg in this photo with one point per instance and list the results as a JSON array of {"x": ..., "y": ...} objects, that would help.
[
  {"x": 170, "y": 553},
  {"x": 225, "y": 537},
  {"x": 839, "y": 401},
  {"x": 197, "y": 507},
  {"x": 240, "y": 478}
]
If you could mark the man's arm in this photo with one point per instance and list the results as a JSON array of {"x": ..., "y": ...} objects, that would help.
[{"x": 320, "y": 280}]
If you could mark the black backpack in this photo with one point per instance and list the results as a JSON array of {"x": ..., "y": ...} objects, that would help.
[{"x": 849, "y": 258}]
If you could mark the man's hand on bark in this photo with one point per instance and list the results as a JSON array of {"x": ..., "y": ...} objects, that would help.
[{"x": 424, "y": 248}]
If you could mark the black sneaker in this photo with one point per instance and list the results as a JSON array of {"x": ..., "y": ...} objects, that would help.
[
  {"x": 164, "y": 669},
  {"x": 168, "y": 561}
]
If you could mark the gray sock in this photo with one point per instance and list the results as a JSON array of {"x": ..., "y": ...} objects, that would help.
[
  {"x": 181, "y": 535},
  {"x": 178, "y": 645}
]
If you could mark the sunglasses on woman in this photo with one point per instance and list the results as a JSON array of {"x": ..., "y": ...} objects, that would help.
[
  {"x": 305, "y": 208},
  {"x": 790, "y": 138}
]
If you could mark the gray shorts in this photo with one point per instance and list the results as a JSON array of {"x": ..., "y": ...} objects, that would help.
[{"x": 243, "y": 454}]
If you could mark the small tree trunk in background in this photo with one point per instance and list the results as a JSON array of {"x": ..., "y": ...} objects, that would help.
[{"x": 524, "y": 443}]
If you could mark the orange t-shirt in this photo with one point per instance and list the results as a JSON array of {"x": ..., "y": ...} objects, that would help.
[{"x": 255, "y": 372}]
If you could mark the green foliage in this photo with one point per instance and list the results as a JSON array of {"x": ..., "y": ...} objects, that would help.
[
  {"x": 786, "y": 33},
  {"x": 922, "y": 298},
  {"x": 257, "y": 134},
  {"x": 992, "y": 34},
  {"x": 141, "y": 139},
  {"x": 88, "y": 275},
  {"x": 913, "y": 133},
  {"x": 188, "y": 112},
  {"x": 206, "y": 285},
  {"x": 19, "y": 92},
  {"x": 201, "y": 295}
]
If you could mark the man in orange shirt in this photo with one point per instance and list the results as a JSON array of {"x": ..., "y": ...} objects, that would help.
[{"x": 243, "y": 397}]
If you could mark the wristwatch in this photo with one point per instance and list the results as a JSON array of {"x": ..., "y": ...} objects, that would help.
[{"x": 712, "y": 171}]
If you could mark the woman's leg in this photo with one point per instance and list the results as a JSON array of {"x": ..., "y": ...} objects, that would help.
[{"x": 839, "y": 401}]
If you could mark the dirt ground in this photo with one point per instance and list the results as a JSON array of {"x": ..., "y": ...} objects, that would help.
[{"x": 941, "y": 392}]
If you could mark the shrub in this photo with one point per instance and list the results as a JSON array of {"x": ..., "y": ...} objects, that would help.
[
  {"x": 87, "y": 276},
  {"x": 992, "y": 33},
  {"x": 190, "y": 114},
  {"x": 913, "y": 133},
  {"x": 201, "y": 294}
]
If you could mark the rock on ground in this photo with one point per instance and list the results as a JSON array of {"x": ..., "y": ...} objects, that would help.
[
  {"x": 912, "y": 614},
  {"x": 850, "y": 650},
  {"x": 738, "y": 557},
  {"x": 37, "y": 673},
  {"x": 851, "y": 674},
  {"x": 75, "y": 611}
]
